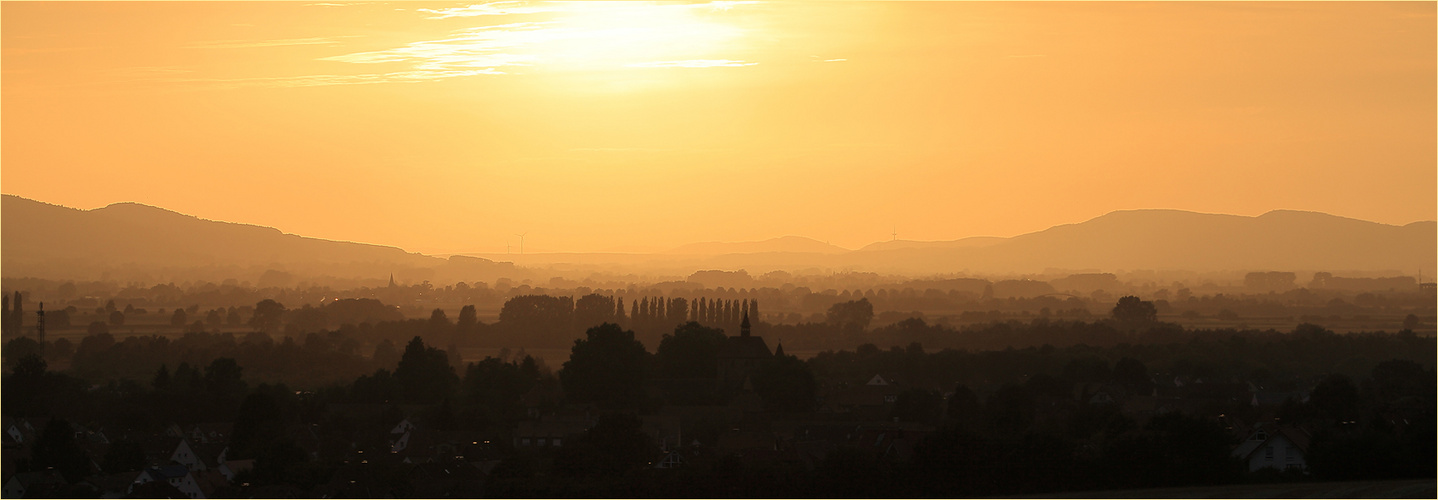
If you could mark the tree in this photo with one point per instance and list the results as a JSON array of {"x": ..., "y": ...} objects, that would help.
[
  {"x": 852, "y": 316},
  {"x": 691, "y": 352},
  {"x": 1133, "y": 309},
  {"x": 1133, "y": 375},
  {"x": 57, "y": 448},
  {"x": 268, "y": 314},
  {"x": 223, "y": 378},
  {"x": 117, "y": 319},
  {"x": 616, "y": 445},
  {"x": 607, "y": 367},
  {"x": 122, "y": 456},
  {"x": 161, "y": 382},
  {"x": 179, "y": 318},
  {"x": 917, "y": 405},
  {"x": 495, "y": 387},
  {"x": 385, "y": 355},
  {"x": 17, "y": 315},
  {"x": 424, "y": 372},
  {"x": 1335, "y": 397},
  {"x": 259, "y": 424},
  {"x": 467, "y": 321},
  {"x": 1411, "y": 322},
  {"x": 786, "y": 385}
]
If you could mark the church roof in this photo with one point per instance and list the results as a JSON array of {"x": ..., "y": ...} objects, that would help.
[{"x": 745, "y": 347}]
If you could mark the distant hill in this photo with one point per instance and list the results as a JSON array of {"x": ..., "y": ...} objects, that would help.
[
  {"x": 131, "y": 241},
  {"x": 970, "y": 242},
  {"x": 1175, "y": 239},
  {"x": 785, "y": 244}
]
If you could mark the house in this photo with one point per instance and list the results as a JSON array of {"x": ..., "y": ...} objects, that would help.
[
  {"x": 232, "y": 467},
  {"x": 551, "y": 431},
  {"x": 18, "y": 431},
  {"x": 664, "y": 430},
  {"x": 199, "y": 457},
  {"x": 37, "y": 484},
  {"x": 113, "y": 485},
  {"x": 870, "y": 401},
  {"x": 402, "y": 427},
  {"x": 175, "y": 475},
  {"x": 210, "y": 433},
  {"x": 1277, "y": 447}
]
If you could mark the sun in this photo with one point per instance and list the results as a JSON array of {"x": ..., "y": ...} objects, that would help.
[{"x": 576, "y": 36}]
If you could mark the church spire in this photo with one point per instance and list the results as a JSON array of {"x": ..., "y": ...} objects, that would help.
[
  {"x": 779, "y": 350},
  {"x": 744, "y": 326},
  {"x": 391, "y": 280}
]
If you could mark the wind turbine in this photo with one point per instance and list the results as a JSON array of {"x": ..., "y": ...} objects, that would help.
[{"x": 521, "y": 241}]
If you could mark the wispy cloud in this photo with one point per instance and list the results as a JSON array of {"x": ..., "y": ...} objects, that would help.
[
  {"x": 571, "y": 36},
  {"x": 475, "y": 48},
  {"x": 320, "y": 80},
  {"x": 249, "y": 44},
  {"x": 490, "y": 9},
  {"x": 692, "y": 63}
]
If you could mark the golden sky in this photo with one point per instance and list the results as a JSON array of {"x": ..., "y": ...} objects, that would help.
[{"x": 450, "y": 127}]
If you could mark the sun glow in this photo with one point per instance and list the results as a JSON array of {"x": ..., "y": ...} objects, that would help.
[{"x": 570, "y": 36}]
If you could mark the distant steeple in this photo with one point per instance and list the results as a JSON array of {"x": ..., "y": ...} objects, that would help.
[
  {"x": 744, "y": 327},
  {"x": 779, "y": 350},
  {"x": 391, "y": 280}
]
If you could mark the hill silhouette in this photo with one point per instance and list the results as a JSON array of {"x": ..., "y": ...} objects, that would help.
[
  {"x": 133, "y": 240},
  {"x": 1176, "y": 239},
  {"x": 785, "y": 244},
  {"x": 970, "y": 242}
]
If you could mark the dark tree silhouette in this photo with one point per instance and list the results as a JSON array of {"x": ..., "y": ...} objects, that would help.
[
  {"x": 1133, "y": 375},
  {"x": 852, "y": 316},
  {"x": 615, "y": 446},
  {"x": 267, "y": 316},
  {"x": 161, "y": 382},
  {"x": 57, "y": 448},
  {"x": 607, "y": 367},
  {"x": 425, "y": 374},
  {"x": 123, "y": 456},
  {"x": 691, "y": 352},
  {"x": 1133, "y": 309},
  {"x": 1335, "y": 398},
  {"x": 786, "y": 385},
  {"x": 223, "y": 378},
  {"x": 468, "y": 320}
]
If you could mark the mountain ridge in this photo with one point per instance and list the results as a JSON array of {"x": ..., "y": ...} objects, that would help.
[{"x": 57, "y": 238}]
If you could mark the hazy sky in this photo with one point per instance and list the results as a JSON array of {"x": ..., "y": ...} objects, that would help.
[{"x": 595, "y": 126}]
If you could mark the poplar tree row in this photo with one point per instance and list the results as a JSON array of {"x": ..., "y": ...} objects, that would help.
[{"x": 12, "y": 321}]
